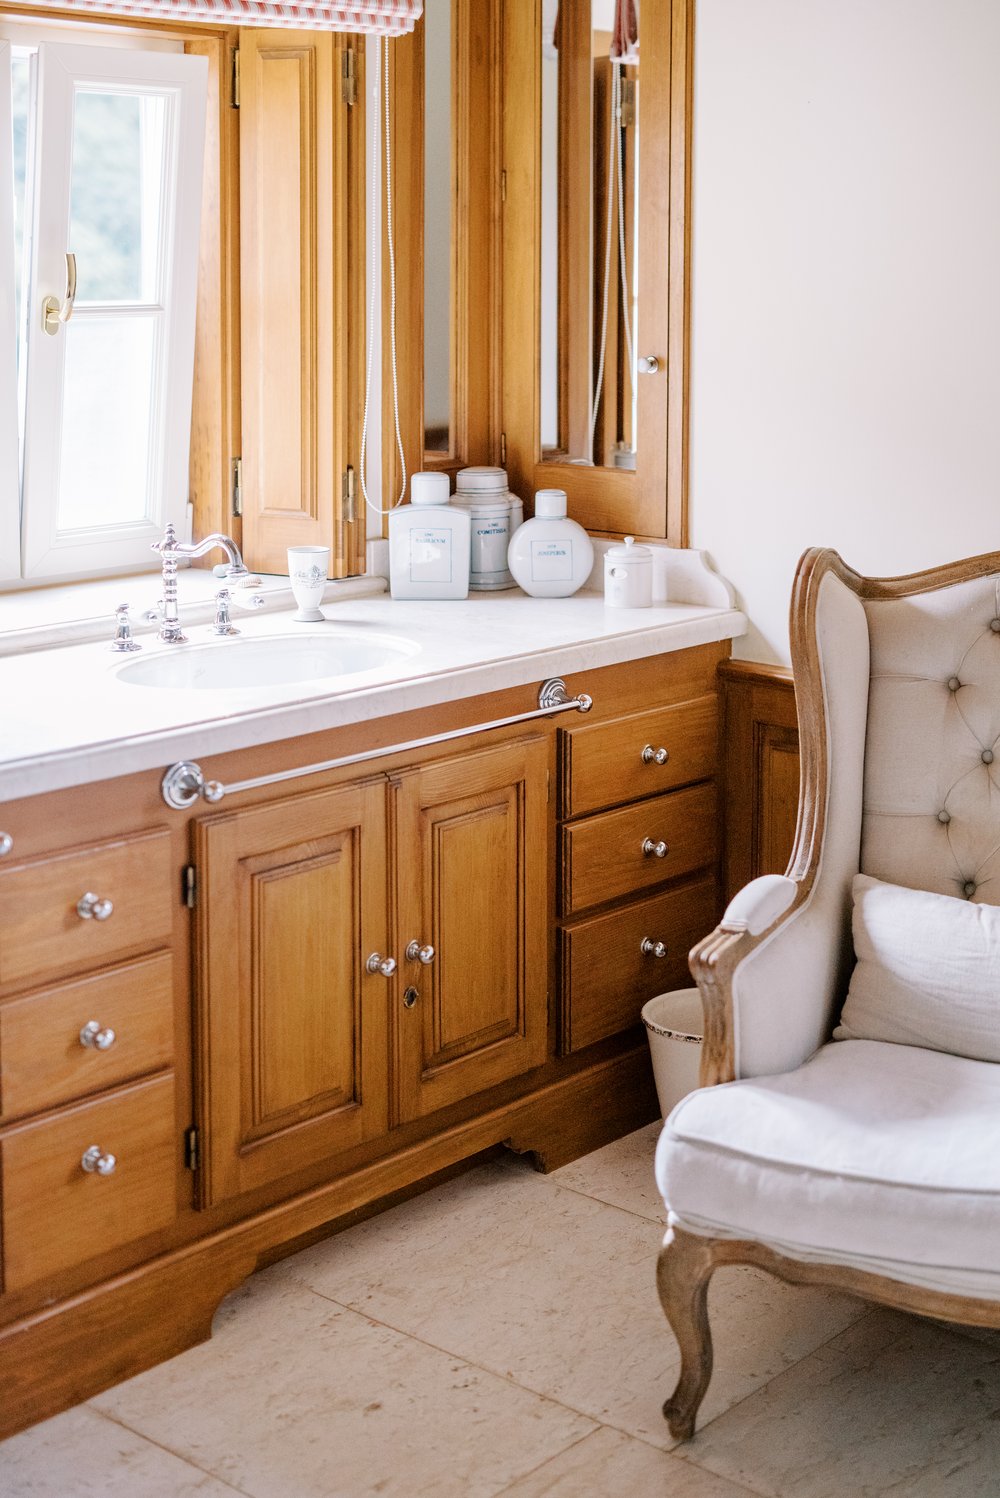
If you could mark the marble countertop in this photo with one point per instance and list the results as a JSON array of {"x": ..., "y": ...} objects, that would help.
[{"x": 69, "y": 720}]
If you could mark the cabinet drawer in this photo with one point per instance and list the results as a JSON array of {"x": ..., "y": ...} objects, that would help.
[
  {"x": 41, "y": 929},
  {"x": 607, "y": 977},
  {"x": 611, "y": 855},
  {"x": 602, "y": 763},
  {"x": 56, "y": 1214},
  {"x": 44, "y": 1062}
]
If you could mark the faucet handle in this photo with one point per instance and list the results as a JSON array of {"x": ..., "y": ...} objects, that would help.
[
  {"x": 123, "y": 643},
  {"x": 155, "y": 615},
  {"x": 223, "y": 623}
]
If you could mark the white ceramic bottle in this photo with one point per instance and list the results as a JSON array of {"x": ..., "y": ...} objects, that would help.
[
  {"x": 429, "y": 543},
  {"x": 550, "y": 556}
]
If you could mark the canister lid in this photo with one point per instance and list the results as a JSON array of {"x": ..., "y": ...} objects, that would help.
[
  {"x": 636, "y": 556},
  {"x": 481, "y": 480},
  {"x": 429, "y": 489},
  {"x": 550, "y": 504}
]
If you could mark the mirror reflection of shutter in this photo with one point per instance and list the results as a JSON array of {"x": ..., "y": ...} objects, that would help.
[{"x": 302, "y": 302}]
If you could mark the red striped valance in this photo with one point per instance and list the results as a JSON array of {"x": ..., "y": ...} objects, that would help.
[{"x": 383, "y": 17}]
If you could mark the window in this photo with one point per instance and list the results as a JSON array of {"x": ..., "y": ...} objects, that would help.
[{"x": 101, "y": 152}]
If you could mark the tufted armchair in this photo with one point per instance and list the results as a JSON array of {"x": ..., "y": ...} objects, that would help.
[{"x": 861, "y": 1164}]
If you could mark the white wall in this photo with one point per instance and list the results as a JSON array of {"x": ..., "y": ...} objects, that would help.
[{"x": 846, "y": 289}]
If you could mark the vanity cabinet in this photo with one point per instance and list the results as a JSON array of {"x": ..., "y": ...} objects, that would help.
[
  {"x": 390, "y": 947},
  {"x": 367, "y": 955}
]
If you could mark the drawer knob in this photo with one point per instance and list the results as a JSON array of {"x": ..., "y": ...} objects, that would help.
[
  {"x": 654, "y": 850},
  {"x": 417, "y": 953},
  {"x": 95, "y": 1162},
  {"x": 91, "y": 907},
  {"x": 6, "y": 844},
  {"x": 651, "y": 756},
  {"x": 650, "y": 948},
  {"x": 97, "y": 1037},
  {"x": 410, "y": 997},
  {"x": 379, "y": 964}
]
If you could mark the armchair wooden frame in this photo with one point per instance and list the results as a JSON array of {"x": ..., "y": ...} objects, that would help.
[{"x": 687, "y": 1260}]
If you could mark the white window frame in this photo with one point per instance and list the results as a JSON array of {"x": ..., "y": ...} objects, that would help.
[
  {"x": 10, "y": 530},
  {"x": 181, "y": 81}
]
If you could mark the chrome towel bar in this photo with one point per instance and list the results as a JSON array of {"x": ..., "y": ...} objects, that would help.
[{"x": 184, "y": 783}]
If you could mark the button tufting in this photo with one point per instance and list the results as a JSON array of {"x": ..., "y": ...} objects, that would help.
[
  {"x": 995, "y": 626},
  {"x": 944, "y": 816},
  {"x": 987, "y": 756},
  {"x": 953, "y": 683},
  {"x": 968, "y": 889}
]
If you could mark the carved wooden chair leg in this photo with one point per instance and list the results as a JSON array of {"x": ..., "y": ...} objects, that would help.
[{"x": 683, "y": 1271}]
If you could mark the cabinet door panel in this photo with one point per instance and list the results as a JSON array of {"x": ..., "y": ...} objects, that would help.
[
  {"x": 473, "y": 880},
  {"x": 293, "y": 1030}
]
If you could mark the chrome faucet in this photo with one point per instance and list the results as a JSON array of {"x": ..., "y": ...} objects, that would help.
[{"x": 172, "y": 551}]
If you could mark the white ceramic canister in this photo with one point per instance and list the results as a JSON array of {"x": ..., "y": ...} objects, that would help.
[
  {"x": 628, "y": 576},
  {"x": 495, "y": 514},
  {"x": 429, "y": 542},
  {"x": 550, "y": 555}
]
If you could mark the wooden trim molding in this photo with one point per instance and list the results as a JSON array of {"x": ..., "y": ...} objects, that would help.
[{"x": 760, "y": 768}]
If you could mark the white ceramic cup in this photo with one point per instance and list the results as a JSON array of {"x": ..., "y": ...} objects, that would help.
[{"x": 308, "y": 567}]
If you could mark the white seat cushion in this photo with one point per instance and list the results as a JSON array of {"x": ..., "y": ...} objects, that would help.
[{"x": 882, "y": 1156}]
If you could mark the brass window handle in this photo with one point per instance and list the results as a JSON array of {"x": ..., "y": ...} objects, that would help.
[{"x": 54, "y": 312}]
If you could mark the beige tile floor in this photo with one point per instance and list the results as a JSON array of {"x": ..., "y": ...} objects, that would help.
[{"x": 501, "y": 1335}]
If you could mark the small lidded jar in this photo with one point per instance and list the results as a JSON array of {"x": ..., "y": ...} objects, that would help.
[
  {"x": 495, "y": 514},
  {"x": 628, "y": 576}
]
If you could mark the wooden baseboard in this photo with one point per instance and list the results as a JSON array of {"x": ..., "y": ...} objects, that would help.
[
  {"x": 74, "y": 1349},
  {"x": 760, "y": 767}
]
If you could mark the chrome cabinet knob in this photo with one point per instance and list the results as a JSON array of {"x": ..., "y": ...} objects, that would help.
[
  {"x": 651, "y": 756},
  {"x": 650, "y": 948},
  {"x": 6, "y": 844},
  {"x": 379, "y": 964},
  {"x": 95, "y": 1162},
  {"x": 647, "y": 364},
  {"x": 416, "y": 953},
  {"x": 654, "y": 850},
  {"x": 91, "y": 907},
  {"x": 97, "y": 1037},
  {"x": 410, "y": 997}
]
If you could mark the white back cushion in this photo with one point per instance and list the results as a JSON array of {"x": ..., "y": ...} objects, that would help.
[
  {"x": 932, "y": 761},
  {"x": 928, "y": 971}
]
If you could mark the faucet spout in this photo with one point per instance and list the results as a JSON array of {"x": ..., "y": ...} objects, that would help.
[{"x": 172, "y": 551}]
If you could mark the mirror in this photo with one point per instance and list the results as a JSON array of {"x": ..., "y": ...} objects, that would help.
[
  {"x": 438, "y": 179},
  {"x": 588, "y": 358}
]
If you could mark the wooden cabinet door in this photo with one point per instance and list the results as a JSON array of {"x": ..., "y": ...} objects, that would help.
[
  {"x": 472, "y": 883},
  {"x": 291, "y": 1026}
]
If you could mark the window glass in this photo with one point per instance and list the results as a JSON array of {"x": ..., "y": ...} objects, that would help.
[
  {"x": 108, "y": 436},
  {"x": 115, "y": 195},
  {"x": 20, "y": 79}
]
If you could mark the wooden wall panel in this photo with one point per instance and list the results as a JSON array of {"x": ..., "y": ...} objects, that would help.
[{"x": 761, "y": 770}]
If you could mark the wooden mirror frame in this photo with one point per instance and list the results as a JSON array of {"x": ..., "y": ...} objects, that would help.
[{"x": 652, "y": 501}]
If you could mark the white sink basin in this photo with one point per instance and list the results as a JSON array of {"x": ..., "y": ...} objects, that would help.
[{"x": 267, "y": 661}]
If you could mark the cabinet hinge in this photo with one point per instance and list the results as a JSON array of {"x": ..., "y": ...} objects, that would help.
[
  {"x": 503, "y": 187},
  {"x": 347, "y": 495},
  {"x": 234, "y": 94},
  {"x": 348, "y": 77},
  {"x": 503, "y": 449},
  {"x": 237, "y": 494},
  {"x": 192, "y": 1149},
  {"x": 190, "y": 886}
]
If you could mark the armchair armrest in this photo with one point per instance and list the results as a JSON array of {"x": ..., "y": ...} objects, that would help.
[{"x": 759, "y": 904}]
